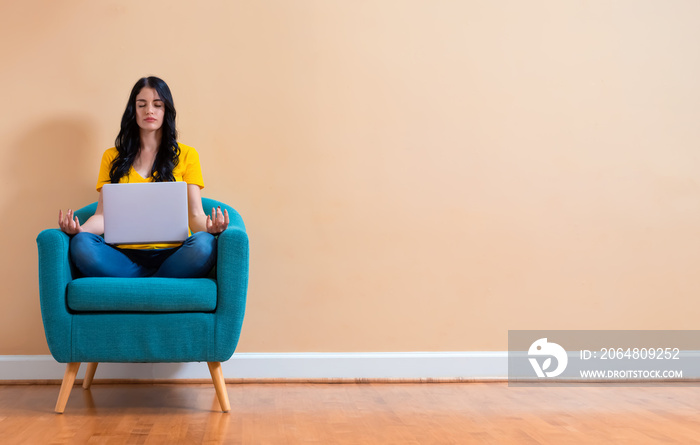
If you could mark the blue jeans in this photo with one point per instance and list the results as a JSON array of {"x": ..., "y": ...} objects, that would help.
[{"x": 95, "y": 258}]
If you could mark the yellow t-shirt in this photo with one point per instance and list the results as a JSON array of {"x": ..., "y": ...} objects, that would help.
[{"x": 188, "y": 170}]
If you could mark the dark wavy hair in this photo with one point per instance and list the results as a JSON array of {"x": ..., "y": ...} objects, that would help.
[{"x": 128, "y": 141}]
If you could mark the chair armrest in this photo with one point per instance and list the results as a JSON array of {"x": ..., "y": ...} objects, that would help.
[
  {"x": 54, "y": 275},
  {"x": 232, "y": 282}
]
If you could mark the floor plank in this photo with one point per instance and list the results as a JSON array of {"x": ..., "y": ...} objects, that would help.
[{"x": 364, "y": 413}]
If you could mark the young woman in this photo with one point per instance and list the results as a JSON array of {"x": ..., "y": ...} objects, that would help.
[{"x": 147, "y": 150}]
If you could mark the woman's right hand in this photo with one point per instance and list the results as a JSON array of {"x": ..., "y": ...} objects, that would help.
[{"x": 69, "y": 223}]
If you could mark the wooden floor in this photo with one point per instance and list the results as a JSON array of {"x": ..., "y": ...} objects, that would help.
[{"x": 365, "y": 413}]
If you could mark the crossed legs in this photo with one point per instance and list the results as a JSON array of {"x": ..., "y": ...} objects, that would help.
[{"x": 95, "y": 258}]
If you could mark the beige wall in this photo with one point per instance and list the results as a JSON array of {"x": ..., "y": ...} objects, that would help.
[{"x": 415, "y": 175}]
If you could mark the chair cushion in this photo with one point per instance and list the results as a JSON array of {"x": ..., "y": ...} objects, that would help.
[{"x": 142, "y": 295}]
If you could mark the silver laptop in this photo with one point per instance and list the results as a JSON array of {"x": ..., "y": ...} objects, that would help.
[{"x": 150, "y": 212}]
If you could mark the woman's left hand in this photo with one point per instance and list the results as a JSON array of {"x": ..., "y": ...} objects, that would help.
[{"x": 218, "y": 221}]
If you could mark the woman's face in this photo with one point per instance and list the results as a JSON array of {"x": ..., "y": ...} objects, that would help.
[{"x": 149, "y": 109}]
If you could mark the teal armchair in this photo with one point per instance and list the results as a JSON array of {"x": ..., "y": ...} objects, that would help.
[{"x": 135, "y": 320}]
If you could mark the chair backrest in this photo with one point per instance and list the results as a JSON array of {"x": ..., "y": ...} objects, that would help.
[{"x": 235, "y": 220}]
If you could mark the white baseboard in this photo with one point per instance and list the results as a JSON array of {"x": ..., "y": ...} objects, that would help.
[{"x": 311, "y": 366}]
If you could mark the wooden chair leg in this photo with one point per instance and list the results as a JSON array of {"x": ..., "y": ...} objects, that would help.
[
  {"x": 217, "y": 375},
  {"x": 89, "y": 374},
  {"x": 66, "y": 386}
]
